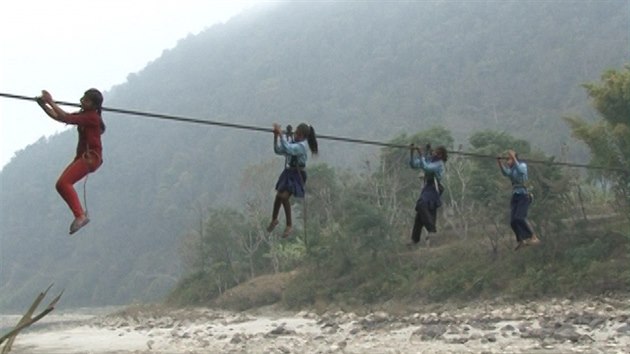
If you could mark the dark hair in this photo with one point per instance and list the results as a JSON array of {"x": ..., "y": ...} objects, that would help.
[
  {"x": 96, "y": 97},
  {"x": 308, "y": 132},
  {"x": 441, "y": 150}
]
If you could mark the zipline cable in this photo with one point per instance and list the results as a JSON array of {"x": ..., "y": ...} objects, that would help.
[{"x": 319, "y": 136}]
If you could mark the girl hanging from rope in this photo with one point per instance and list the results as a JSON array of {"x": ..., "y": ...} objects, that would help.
[
  {"x": 89, "y": 149},
  {"x": 293, "y": 178},
  {"x": 516, "y": 171},
  {"x": 432, "y": 163}
]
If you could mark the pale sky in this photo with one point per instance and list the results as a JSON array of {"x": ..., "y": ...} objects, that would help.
[{"x": 68, "y": 46}]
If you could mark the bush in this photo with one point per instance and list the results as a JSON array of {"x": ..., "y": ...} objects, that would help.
[{"x": 196, "y": 289}]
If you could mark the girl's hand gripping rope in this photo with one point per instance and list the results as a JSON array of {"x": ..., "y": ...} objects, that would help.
[{"x": 277, "y": 129}]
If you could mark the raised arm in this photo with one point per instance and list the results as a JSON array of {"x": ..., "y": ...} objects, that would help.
[
  {"x": 520, "y": 167},
  {"x": 277, "y": 131},
  {"x": 502, "y": 167},
  {"x": 51, "y": 108},
  {"x": 415, "y": 162},
  {"x": 49, "y": 111}
]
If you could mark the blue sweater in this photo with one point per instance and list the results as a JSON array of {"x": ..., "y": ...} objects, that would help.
[
  {"x": 517, "y": 175},
  {"x": 431, "y": 168},
  {"x": 297, "y": 150}
]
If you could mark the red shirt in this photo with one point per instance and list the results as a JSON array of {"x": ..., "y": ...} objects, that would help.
[{"x": 89, "y": 126}]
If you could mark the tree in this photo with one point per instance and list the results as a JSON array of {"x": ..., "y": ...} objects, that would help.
[
  {"x": 460, "y": 209},
  {"x": 609, "y": 137},
  {"x": 257, "y": 195},
  {"x": 225, "y": 262}
]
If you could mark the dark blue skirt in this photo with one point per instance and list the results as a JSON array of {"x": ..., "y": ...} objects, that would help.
[
  {"x": 429, "y": 198},
  {"x": 291, "y": 181}
]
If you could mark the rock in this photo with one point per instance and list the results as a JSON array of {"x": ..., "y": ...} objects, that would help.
[
  {"x": 537, "y": 333},
  {"x": 328, "y": 324},
  {"x": 381, "y": 316},
  {"x": 475, "y": 336},
  {"x": 566, "y": 332},
  {"x": 431, "y": 318},
  {"x": 453, "y": 330},
  {"x": 342, "y": 344},
  {"x": 597, "y": 322},
  {"x": 331, "y": 330},
  {"x": 547, "y": 343},
  {"x": 280, "y": 331},
  {"x": 508, "y": 328},
  {"x": 482, "y": 325},
  {"x": 583, "y": 319},
  {"x": 524, "y": 327},
  {"x": 458, "y": 340},
  {"x": 624, "y": 329},
  {"x": 490, "y": 337},
  {"x": 236, "y": 339},
  {"x": 429, "y": 332}
]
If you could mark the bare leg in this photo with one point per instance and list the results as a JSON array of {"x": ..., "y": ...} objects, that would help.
[
  {"x": 286, "y": 204},
  {"x": 276, "y": 210}
]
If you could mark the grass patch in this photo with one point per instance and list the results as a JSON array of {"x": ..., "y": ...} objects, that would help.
[{"x": 576, "y": 263}]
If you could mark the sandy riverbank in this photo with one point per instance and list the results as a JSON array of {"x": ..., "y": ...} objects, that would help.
[{"x": 600, "y": 325}]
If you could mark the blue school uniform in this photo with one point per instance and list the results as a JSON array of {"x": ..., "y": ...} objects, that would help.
[
  {"x": 430, "y": 196},
  {"x": 293, "y": 178},
  {"x": 433, "y": 174},
  {"x": 520, "y": 201}
]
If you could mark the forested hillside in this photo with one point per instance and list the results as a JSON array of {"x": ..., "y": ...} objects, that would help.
[{"x": 366, "y": 70}]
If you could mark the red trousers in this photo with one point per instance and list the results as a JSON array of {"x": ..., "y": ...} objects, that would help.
[{"x": 75, "y": 171}]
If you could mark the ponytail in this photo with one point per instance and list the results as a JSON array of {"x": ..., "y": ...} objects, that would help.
[
  {"x": 96, "y": 97},
  {"x": 308, "y": 133},
  {"x": 441, "y": 150},
  {"x": 311, "y": 138},
  {"x": 103, "y": 127}
]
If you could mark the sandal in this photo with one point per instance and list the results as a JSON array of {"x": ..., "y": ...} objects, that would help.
[
  {"x": 533, "y": 241},
  {"x": 272, "y": 225},
  {"x": 519, "y": 245},
  {"x": 78, "y": 223}
]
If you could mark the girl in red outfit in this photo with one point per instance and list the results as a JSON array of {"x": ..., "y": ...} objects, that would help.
[{"x": 89, "y": 149}]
